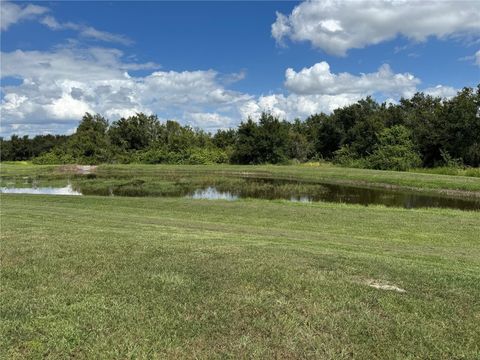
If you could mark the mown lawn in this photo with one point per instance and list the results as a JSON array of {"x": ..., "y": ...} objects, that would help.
[{"x": 102, "y": 277}]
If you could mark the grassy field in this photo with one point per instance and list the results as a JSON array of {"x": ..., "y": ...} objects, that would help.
[{"x": 102, "y": 277}]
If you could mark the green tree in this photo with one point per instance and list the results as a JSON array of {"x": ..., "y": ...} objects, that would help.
[
  {"x": 461, "y": 118},
  {"x": 330, "y": 137},
  {"x": 135, "y": 132},
  {"x": 265, "y": 142},
  {"x": 176, "y": 138},
  {"x": 423, "y": 118},
  {"x": 395, "y": 151},
  {"x": 90, "y": 143},
  {"x": 246, "y": 150},
  {"x": 273, "y": 139},
  {"x": 364, "y": 135},
  {"x": 299, "y": 147},
  {"x": 225, "y": 139}
]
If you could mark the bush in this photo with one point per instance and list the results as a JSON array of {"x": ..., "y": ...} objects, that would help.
[
  {"x": 158, "y": 156},
  {"x": 448, "y": 161},
  {"x": 193, "y": 156},
  {"x": 345, "y": 156},
  {"x": 393, "y": 157},
  {"x": 54, "y": 158},
  {"x": 205, "y": 156},
  {"x": 395, "y": 151}
]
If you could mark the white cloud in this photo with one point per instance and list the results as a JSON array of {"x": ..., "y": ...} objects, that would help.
[
  {"x": 316, "y": 89},
  {"x": 53, "y": 24},
  {"x": 280, "y": 28},
  {"x": 209, "y": 121},
  {"x": 60, "y": 86},
  {"x": 475, "y": 58},
  {"x": 441, "y": 91},
  {"x": 93, "y": 33},
  {"x": 336, "y": 26},
  {"x": 57, "y": 87},
  {"x": 318, "y": 79},
  {"x": 294, "y": 106},
  {"x": 11, "y": 13},
  {"x": 85, "y": 31}
]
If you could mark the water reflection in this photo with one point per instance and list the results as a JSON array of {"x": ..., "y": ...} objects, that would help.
[
  {"x": 211, "y": 193},
  {"x": 256, "y": 188},
  {"x": 302, "y": 199},
  {"x": 340, "y": 194},
  {"x": 66, "y": 190},
  {"x": 392, "y": 198}
]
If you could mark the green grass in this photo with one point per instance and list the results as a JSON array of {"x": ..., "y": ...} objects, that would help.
[
  {"x": 473, "y": 172},
  {"x": 100, "y": 277}
]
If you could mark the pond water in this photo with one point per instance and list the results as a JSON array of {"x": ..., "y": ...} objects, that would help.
[
  {"x": 348, "y": 195},
  {"x": 66, "y": 190},
  {"x": 271, "y": 189},
  {"x": 211, "y": 193},
  {"x": 391, "y": 198}
]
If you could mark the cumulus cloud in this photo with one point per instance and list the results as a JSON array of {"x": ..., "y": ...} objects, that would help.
[
  {"x": 444, "y": 92},
  {"x": 11, "y": 13},
  {"x": 60, "y": 86},
  {"x": 57, "y": 87},
  {"x": 317, "y": 89},
  {"x": 318, "y": 79},
  {"x": 209, "y": 120},
  {"x": 336, "y": 26},
  {"x": 294, "y": 106}
]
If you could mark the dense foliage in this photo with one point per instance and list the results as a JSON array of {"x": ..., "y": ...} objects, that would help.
[{"x": 420, "y": 131}]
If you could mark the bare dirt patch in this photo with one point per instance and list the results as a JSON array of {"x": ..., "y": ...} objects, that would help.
[{"x": 77, "y": 169}]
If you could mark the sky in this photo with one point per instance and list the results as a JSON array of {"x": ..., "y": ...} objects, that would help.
[{"x": 212, "y": 65}]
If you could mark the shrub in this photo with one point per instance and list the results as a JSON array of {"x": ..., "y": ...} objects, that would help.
[
  {"x": 395, "y": 151},
  {"x": 393, "y": 157},
  {"x": 54, "y": 158},
  {"x": 345, "y": 156},
  {"x": 204, "y": 156}
]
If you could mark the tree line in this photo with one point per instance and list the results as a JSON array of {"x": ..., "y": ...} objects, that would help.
[{"x": 421, "y": 131}]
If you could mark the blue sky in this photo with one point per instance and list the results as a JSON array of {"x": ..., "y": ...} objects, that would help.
[{"x": 213, "y": 64}]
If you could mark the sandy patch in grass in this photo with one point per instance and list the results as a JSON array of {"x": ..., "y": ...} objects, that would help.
[{"x": 377, "y": 284}]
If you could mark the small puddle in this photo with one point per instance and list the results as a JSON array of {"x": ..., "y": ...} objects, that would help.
[{"x": 66, "y": 190}]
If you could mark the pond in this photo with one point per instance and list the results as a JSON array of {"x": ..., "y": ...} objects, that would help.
[
  {"x": 258, "y": 188},
  {"x": 211, "y": 193},
  {"x": 48, "y": 190},
  {"x": 348, "y": 195}
]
